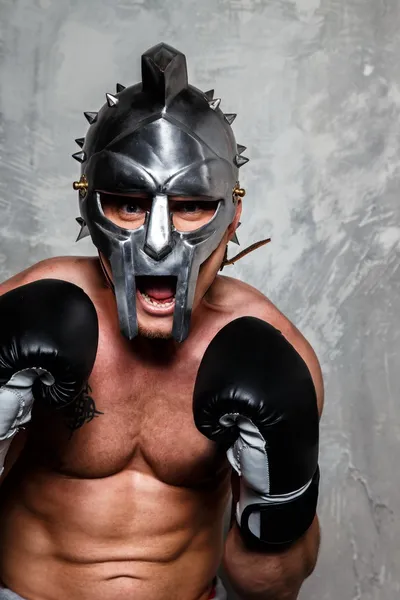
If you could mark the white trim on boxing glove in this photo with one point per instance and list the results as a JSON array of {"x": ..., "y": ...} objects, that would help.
[
  {"x": 16, "y": 401},
  {"x": 249, "y": 457},
  {"x": 249, "y": 496}
]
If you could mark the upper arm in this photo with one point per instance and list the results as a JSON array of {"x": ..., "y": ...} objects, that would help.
[
  {"x": 307, "y": 353},
  {"x": 60, "y": 267},
  {"x": 272, "y": 315},
  {"x": 37, "y": 271}
]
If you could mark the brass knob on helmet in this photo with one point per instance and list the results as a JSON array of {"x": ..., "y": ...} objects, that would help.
[
  {"x": 81, "y": 185},
  {"x": 238, "y": 191}
]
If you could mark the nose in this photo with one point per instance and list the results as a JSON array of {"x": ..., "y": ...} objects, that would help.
[{"x": 158, "y": 241}]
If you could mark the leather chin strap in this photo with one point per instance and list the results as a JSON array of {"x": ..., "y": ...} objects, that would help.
[{"x": 231, "y": 261}]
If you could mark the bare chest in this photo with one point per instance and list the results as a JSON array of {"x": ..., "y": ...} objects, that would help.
[{"x": 143, "y": 422}]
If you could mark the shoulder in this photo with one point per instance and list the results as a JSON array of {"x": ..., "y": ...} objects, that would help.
[
  {"x": 242, "y": 299},
  {"x": 83, "y": 271}
]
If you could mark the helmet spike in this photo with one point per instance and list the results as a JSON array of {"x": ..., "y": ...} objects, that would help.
[
  {"x": 80, "y": 142},
  {"x": 120, "y": 87},
  {"x": 209, "y": 95},
  {"x": 241, "y": 148},
  {"x": 230, "y": 117},
  {"x": 235, "y": 239},
  {"x": 91, "y": 117},
  {"x": 79, "y": 156},
  {"x": 84, "y": 232},
  {"x": 214, "y": 104},
  {"x": 112, "y": 100},
  {"x": 240, "y": 160}
]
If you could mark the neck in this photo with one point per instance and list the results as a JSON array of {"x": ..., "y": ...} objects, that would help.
[{"x": 156, "y": 350}]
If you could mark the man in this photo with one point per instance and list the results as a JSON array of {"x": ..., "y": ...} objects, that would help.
[{"x": 132, "y": 382}]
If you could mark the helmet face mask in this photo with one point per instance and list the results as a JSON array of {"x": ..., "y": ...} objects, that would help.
[{"x": 163, "y": 138}]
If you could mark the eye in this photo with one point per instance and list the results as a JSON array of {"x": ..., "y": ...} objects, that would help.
[
  {"x": 125, "y": 205},
  {"x": 189, "y": 207},
  {"x": 131, "y": 207}
]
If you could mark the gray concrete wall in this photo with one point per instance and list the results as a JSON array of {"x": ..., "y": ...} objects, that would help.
[{"x": 316, "y": 84}]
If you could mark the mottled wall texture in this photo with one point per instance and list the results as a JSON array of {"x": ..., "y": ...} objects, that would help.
[{"x": 316, "y": 84}]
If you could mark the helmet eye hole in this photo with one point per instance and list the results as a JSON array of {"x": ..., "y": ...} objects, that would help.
[
  {"x": 189, "y": 214},
  {"x": 126, "y": 210}
]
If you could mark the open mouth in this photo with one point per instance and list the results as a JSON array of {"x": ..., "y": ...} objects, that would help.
[{"x": 156, "y": 293}]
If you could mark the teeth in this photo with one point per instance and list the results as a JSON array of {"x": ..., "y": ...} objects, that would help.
[{"x": 155, "y": 303}]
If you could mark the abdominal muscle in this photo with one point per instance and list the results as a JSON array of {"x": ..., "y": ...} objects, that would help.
[{"x": 127, "y": 537}]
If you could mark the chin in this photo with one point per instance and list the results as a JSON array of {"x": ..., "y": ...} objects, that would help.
[
  {"x": 149, "y": 334},
  {"x": 155, "y": 332}
]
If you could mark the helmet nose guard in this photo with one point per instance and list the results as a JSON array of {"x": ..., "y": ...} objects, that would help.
[{"x": 158, "y": 242}]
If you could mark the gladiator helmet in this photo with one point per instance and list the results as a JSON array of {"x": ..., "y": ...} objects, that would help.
[{"x": 162, "y": 137}]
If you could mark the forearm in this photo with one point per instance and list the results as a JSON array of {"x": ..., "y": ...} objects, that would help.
[
  {"x": 270, "y": 576},
  {"x": 12, "y": 454}
]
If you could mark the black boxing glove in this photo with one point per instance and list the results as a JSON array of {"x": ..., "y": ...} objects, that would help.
[
  {"x": 254, "y": 395},
  {"x": 48, "y": 345}
]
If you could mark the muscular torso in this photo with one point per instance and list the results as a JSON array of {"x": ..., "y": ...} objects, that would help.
[{"x": 132, "y": 504}]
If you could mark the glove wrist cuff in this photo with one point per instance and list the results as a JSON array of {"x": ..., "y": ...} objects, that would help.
[{"x": 273, "y": 526}]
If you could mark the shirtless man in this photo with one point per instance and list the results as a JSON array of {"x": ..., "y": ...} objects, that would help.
[{"x": 132, "y": 382}]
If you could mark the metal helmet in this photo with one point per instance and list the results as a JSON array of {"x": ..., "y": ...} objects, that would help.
[{"x": 166, "y": 138}]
